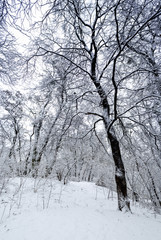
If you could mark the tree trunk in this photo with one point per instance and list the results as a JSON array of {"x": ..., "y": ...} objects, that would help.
[
  {"x": 123, "y": 202},
  {"x": 120, "y": 178}
]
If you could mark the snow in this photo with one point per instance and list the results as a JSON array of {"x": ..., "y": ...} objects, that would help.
[{"x": 48, "y": 210}]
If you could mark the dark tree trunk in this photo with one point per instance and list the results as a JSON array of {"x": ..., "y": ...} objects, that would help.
[
  {"x": 119, "y": 166},
  {"x": 123, "y": 202},
  {"x": 120, "y": 179}
]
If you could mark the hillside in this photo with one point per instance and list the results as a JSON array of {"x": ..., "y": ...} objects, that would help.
[{"x": 47, "y": 210}]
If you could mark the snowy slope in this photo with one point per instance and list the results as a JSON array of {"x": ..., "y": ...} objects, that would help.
[{"x": 47, "y": 210}]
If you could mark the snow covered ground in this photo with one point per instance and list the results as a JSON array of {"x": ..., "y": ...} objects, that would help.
[{"x": 47, "y": 210}]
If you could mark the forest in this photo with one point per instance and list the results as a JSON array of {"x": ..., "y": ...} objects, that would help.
[{"x": 80, "y": 94}]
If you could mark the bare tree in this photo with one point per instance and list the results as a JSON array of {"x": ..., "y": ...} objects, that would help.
[
  {"x": 101, "y": 65},
  {"x": 98, "y": 39}
]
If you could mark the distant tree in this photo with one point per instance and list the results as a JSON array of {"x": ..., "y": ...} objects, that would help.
[{"x": 11, "y": 126}]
